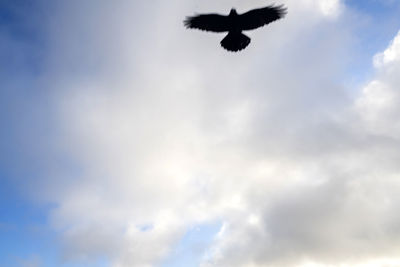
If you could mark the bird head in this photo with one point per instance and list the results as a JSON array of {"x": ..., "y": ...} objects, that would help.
[{"x": 233, "y": 12}]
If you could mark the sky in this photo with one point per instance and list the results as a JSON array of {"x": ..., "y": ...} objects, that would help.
[{"x": 128, "y": 140}]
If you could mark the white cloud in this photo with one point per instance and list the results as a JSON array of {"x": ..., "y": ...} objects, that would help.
[
  {"x": 330, "y": 8},
  {"x": 390, "y": 55},
  {"x": 379, "y": 103},
  {"x": 168, "y": 130}
]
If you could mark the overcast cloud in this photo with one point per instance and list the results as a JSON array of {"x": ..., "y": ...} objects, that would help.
[{"x": 159, "y": 130}]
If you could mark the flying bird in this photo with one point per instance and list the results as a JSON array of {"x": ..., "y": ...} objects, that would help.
[{"x": 235, "y": 23}]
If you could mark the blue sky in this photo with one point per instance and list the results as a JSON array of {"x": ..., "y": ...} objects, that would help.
[
  {"x": 24, "y": 229},
  {"x": 379, "y": 28},
  {"x": 77, "y": 143}
]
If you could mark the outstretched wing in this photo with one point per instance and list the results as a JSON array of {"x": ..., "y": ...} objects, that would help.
[
  {"x": 208, "y": 22},
  {"x": 262, "y": 16}
]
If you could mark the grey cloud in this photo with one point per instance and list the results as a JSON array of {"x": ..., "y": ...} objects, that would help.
[
  {"x": 342, "y": 207},
  {"x": 167, "y": 129}
]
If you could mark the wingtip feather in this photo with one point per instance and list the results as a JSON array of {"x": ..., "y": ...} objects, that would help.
[
  {"x": 187, "y": 22},
  {"x": 282, "y": 10}
]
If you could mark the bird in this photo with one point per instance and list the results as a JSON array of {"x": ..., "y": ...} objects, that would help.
[{"x": 235, "y": 23}]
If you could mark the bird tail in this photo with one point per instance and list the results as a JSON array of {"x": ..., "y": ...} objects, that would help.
[{"x": 235, "y": 41}]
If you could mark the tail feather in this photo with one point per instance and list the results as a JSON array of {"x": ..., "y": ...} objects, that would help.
[{"x": 235, "y": 41}]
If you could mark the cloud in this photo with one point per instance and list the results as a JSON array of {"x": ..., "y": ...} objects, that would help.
[
  {"x": 378, "y": 104},
  {"x": 390, "y": 55},
  {"x": 165, "y": 130},
  {"x": 341, "y": 209}
]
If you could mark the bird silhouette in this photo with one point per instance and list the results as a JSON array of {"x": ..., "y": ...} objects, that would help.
[{"x": 235, "y": 23}]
